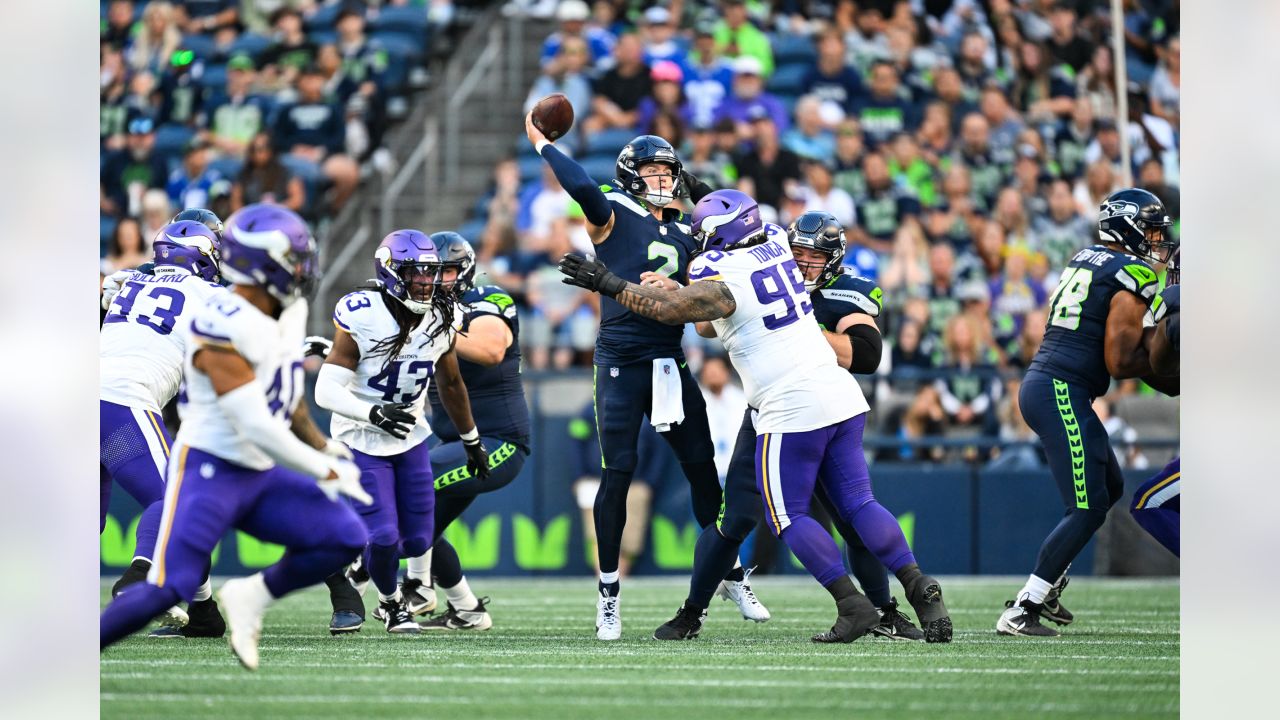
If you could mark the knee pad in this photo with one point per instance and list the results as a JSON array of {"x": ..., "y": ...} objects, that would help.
[
  {"x": 736, "y": 527},
  {"x": 385, "y": 536},
  {"x": 1095, "y": 516},
  {"x": 414, "y": 546}
]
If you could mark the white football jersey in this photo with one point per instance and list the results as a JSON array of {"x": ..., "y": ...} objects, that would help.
[
  {"x": 143, "y": 343},
  {"x": 273, "y": 348},
  {"x": 788, "y": 369},
  {"x": 378, "y": 380}
]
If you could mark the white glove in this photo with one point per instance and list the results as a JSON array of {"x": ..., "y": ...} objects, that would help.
[
  {"x": 347, "y": 483},
  {"x": 111, "y": 286},
  {"x": 317, "y": 345},
  {"x": 335, "y": 449}
]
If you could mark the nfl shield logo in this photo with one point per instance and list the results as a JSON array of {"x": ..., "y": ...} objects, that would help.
[
  {"x": 613, "y": 372},
  {"x": 666, "y": 369}
]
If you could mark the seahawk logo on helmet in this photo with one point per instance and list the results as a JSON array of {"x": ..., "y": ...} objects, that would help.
[
  {"x": 1136, "y": 219},
  {"x": 820, "y": 231}
]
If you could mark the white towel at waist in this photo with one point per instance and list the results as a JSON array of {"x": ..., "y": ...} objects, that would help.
[{"x": 667, "y": 408}]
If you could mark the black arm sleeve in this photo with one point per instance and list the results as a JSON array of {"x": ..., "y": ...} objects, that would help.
[
  {"x": 868, "y": 348},
  {"x": 575, "y": 181},
  {"x": 697, "y": 189}
]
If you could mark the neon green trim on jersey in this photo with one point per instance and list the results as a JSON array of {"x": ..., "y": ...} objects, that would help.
[
  {"x": 1074, "y": 441},
  {"x": 1143, "y": 274},
  {"x": 606, "y": 187},
  {"x": 595, "y": 407},
  {"x": 502, "y": 300},
  {"x": 877, "y": 295},
  {"x": 460, "y": 473}
]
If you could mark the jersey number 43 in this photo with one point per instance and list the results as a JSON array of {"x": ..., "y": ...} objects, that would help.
[{"x": 403, "y": 381}]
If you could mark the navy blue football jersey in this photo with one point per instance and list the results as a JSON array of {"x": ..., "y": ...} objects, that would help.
[
  {"x": 638, "y": 243},
  {"x": 1075, "y": 337},
  {"x": 843, "y": 295},
  {"x": 496, "y": 392}
]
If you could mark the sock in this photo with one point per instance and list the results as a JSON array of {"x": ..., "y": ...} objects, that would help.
[
  {"x": 814, "y": 548},
  {"x": 610, "y": 515},
  {"x": 342, "y": 596},
  {"x": 882, "y": 534},
  {"x": 841, "y": 588},
  {"x": 204, "y": 592},
  {"x": 420, "y": 568},
  {"x": 609, "y": 578},
  {"x": 395, "y": 597},
  {"x": 871, "y": 575},
  {"x": 445, "y": 565},
  {"x": 737, "y": 574},
  {"x": 148, "y": 530},
  {"x": 713, "y": 553},
  {"x": 1035, "y": 590},
  {"x": 461, "y": 597}
]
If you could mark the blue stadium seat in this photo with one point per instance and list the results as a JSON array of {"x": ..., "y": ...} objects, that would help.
[
  {"x": 214, "y": 76},
  {"x": 610, "y": 141},
  {"x": 324, "y": 18},
  {"x": 398, "y": 43},
  {"x": 323, "y": 37},
  {"x": 106, "y": 226},
  {"x": 171, "y": 137},
  {"x": 530, "y": 168},
  {"x": 252, "y": 44},
  {"x": 401, "y": 18},
  {"x": 789, "y": 48},
  {"x": 787, "y": 79},
  {"x": 472, "y": 230},
  {"x": 600, "y": 168},
  {"x": 228, "y": 167},
  {"x": 202, "y": 46}
]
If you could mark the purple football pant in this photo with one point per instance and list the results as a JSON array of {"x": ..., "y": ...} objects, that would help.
[
  {"x": 788, "y": 465},
  {"x": 206, "y": 496},
  {"x": 401, "y": 518},
  {"x": 133, "y": 448},
  {"x": 1157, "y": 506}
]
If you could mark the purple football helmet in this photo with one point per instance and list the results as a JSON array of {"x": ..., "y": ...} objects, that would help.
[
  {"x": 726, "y": 218},
  {"x": 188, "y": 245},
  {"x": 403, "y": 258},
  {"x": 269, "y": 246}
]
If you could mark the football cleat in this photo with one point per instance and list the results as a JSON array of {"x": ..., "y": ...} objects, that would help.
[
  {"x": 608, "y": 619},
  {"x": 206, "y": 622},
  {"x": 684, "y": 626},
  {"x": 454, "y": 619},
  {"x": 418, "y": 596},
  {"x": 1023, "y": 619},
  {"x": 396, "y": 617},
  {"x": 345, "y": 621},
  {"x": 857, "y": 617},
  {"x": 740, "y": 592},
  {"x": 1053, "y": 609},
  {"x": 135, "y": 573},
  {"x": 358, "y": 576},
  {"x": 175, "y": 617},
  {"x": 245, "y": 601},
  {"x": 895, "y": 625},
  {"x": 925, "y": 596}
]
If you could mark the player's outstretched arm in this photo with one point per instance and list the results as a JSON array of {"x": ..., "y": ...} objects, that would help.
[
  {"x": 596, "y": 208},
  {"x": 703, "y": 300}
]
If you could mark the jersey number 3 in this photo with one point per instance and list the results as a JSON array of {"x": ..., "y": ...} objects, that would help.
[{"x": 1066, "y": 301}]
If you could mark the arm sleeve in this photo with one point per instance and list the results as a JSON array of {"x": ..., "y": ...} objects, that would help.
[
  {"x": 333, "y": 394},
  {"x": 246, "y": 407},
  {"x": 579, "y": 185},
  {"x": 868, "y": 348}
]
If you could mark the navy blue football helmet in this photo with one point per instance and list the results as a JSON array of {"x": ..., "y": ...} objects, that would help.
[
  {"x": 1128, "y": 215},
  {"x": 205, "y": 217},
  {"x": 455, "y": 250},
  {"x": 643, "y": 150},
  {"x": 821, "y": 231}
]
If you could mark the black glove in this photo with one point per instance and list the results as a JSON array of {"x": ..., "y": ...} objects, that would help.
[
  {"x": 316, "y": 346},
  {"x": 693, "y": 187},
  {"x": 590, "y": 274},
  {"x": 393, "y": 418},
  {"x": 477, "y": 458}
]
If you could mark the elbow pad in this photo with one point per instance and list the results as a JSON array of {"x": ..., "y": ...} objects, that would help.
[
  {"x": 332, "y": 393},
  {"x": 868, "y": 348}
]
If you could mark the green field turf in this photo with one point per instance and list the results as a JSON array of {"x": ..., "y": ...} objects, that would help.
[{"x": 541, "y": 660}]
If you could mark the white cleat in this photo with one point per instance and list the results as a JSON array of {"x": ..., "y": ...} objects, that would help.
[
  {"x": 608, "y": 621},
  {"x": 244, "y": 601},
  {"x": 420, "y": 598},
  {"x": 741, "y": 593},
  {"x": 175, "y": 617}
]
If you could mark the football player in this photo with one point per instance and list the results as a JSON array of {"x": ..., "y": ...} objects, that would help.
[
  {"x": 810, "y": 411},
  {"x": 1094, "y": 334},
  {"x": 634, "y": 231},
  {"x": 235, "y": 462},
  {"x": 390, "y": 341}
]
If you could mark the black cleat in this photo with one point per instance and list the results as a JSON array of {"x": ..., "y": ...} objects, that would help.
[
  {"x": 1053, "y": 609},
  {"x": 857, "y": 617},
  {"x": 1023, "y": 619},
  {"x": 925, "y": 596},
  {"x": 396, "y": 617},
  {"x": 135, "y": 573},
  {"x": 895, "y": 625},
  {"x": 345, "y": 621},
  {"x": 418, "y": 596},
  {"x": 205, "y": 622},
  {"x": 454, "y": 619},
  {"x": 684, "y": 626}
]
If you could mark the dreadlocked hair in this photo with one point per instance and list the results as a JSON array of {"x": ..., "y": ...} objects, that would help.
[{"x": 442, "y": 306}]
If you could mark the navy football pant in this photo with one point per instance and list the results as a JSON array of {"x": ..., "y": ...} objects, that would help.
[
  {"x": 623, "y": 402},
  {"x": 1082, "y": 463},
  {"x": 1157, "y": 506},
  {"x": 457, "y": 488}
]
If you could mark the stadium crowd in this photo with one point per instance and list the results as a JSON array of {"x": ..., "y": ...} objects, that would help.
[{"x": 965, "y": 146}]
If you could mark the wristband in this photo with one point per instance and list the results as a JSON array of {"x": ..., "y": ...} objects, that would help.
[
  {"x": 538, "y": 146},
  {"x": 470, "y": 436}
]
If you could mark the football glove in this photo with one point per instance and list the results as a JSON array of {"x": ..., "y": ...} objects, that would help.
[
  {"x": 393, "y": 419},
  {"x": 316, "y": 346},
  {"x": 335, "y": 449},
  {"x": 590, "y": 274},
  {"x": 477, "y": 458},
  {"x": 346, "y": 483},
  {"x": 694, "y": 188}
]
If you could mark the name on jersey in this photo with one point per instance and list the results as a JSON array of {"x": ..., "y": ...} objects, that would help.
[
  {"x": 170, "y": 278},
  {"x": 766, "y": 252},
  {"x": 1093, "y": 257}
]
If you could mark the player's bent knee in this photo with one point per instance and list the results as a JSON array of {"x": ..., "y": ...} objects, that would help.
[
  {"x": 736, "y": 528},
  {"x": 415, "y": 546},
  {"x": 385, "y": 536}
]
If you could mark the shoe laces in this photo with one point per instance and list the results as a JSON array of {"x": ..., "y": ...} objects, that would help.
[
  {"x": 747, "y": 592},
  {"x": 687, "y": 617},
  {"x": 610, "y": 607}
]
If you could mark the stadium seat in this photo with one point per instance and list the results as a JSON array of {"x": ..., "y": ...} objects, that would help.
[
  {"x": 252, "y": 44},
  {"x": 610, "y": 141},
  {"x": 789, "y": 48},
  {"x": 787, "y": 79},
  {"x": 214, "y": 76},
  {"x": 202, "y": 46},
  {"x": 324, "y": 18},
  {"x": 398, "y": 43},
  {"x": 600, "y": 168},
  {"x": 227, "y": 167},
  {"x": 170, "y": 138},
  {"x": 530, "y": 168},
  {"x": 323, "y": 37},
  {"x": 401, "y": 18},
  {"x": 473, "y": 231}
]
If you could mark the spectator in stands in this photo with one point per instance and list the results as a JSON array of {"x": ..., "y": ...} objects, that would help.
[
  {"x": 886, "y": 110},
  {"x": 916, "y": 309},
  {"x": 885, "y": 208},
  {"x": 1033, "y": 328},
  {"x": 943, "y": 303},
  {"x": 951, "y": 92},
  {"x": 829, "y": 78},
  {"x": 661, "y": 43},
  {"x": 189, "y": 184},
  {"x": 956, "y": 218},
  {"x": 1004, "y": 124},
  {"x": 707, "y": 79},
  {"x": 1151, "y": 177},
  {"x": 127, "y": 248},
  {"x": 572, "y": 16},
  {"x": 820, "y": 193},
  {"x": 923, "y": 418},
  {"x": 1043, "y": 89},
  {"x": 1166, "y": 82},
  {"x": 968, "y": 389},
  {"x": 725, "y": 405},
  {"x": 987, "y": 174},
  {"x": 500, "y": 220},
  {"x": 182, "y": 97},
  {"x": 1061, "y": 231},
  {"x": 1065, "y": 45},
  {"x": 364, "y": 71},
  {"x": 975, "y": 63},
  {"x": 1011, "y": 215},
  {"x": 850, "y": 151},
  {"x": 749, "y": 97},
  {"x": 156, "y": 40},
  {"x": 118, "y": 29},
  {"x": 737, "y": 37},
  {"x": 1071, "y": 139},
  {"x": 1123, "y": 437},
  {"x": 619, "y": 91},
  {"x": 910, "y": 171},
  {"x": 561, "y": 319},
  {"x": 1143, "y": 32},
  {"x": 1014, "y": 429},
  {"x": 669, "y": 125},
  {"x": 1097, "y": 83},
  {"x": 907, "y": 269},
  {"x": 768, "y": 166},
  {"x": 265, "y": 179},
  {"x": 312, "y": 132},
  {"x": 667, "y": 98},
  {"x": 540, "y": 205},
  {"x": 156, "y": 212},
  {"x": 113, "y": 116},
  {"x": 235, "y": 117},
  {"x": 204, "y": 16},
  {"x": 291, "y": 50},
  {"x": 707, "y": 160},
  {"x": 564, "y": 73},
  {"x": 907, "y": 352},
  {"x": 866, "y": 40},
  {"x": 1013, "y": 298},
  {"x": 1105, "y": 147},
  {"x": 810, "y": 137},
  {"x": 126, "y": 174},
  {"x": 987, "y": 256}
]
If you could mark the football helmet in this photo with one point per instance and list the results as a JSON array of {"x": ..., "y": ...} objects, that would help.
[
  {"x": 400, "y": 257},
  {"x": 1127, "y": 215},
  {"x": 640, "y": 151},
  {"x": 269, "y": 246},
  {"x": 821, "y": 231},
  {"x": 188, "y": 245},
  {"x": 725, "y": 219}
]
